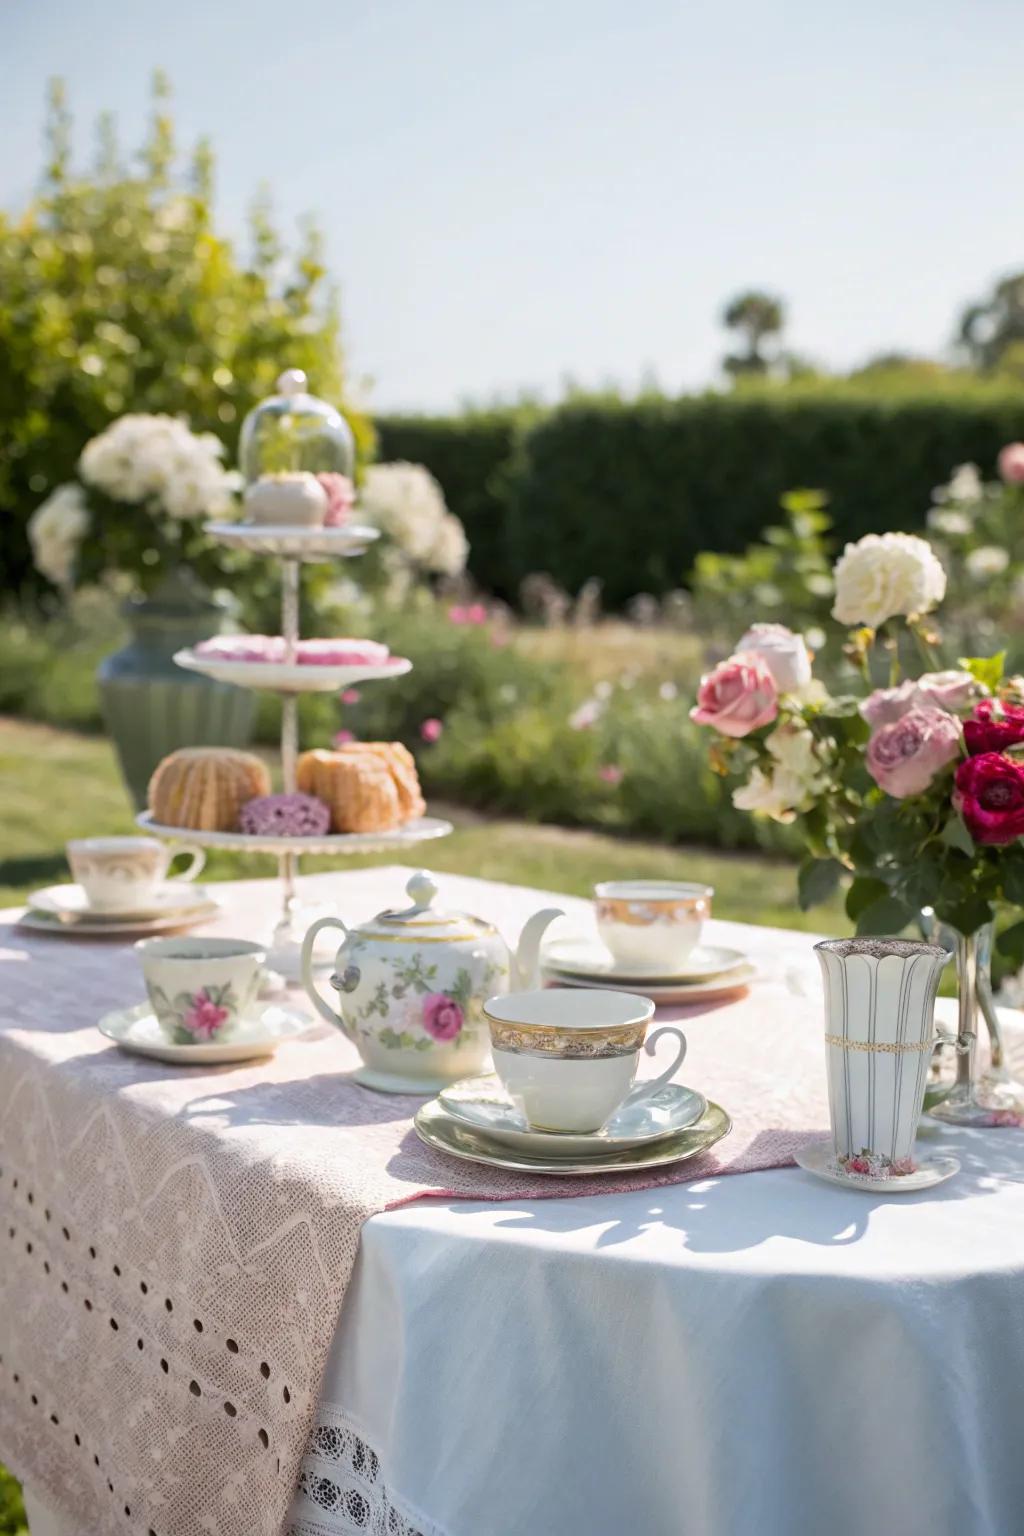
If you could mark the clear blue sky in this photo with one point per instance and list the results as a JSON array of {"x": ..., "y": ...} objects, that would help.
[{"x": 516, "y": 191}]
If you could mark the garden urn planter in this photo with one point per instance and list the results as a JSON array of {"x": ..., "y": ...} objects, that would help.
[{"x": 151, "y": 706}]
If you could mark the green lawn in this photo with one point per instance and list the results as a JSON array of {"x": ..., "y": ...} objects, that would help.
[{"x": 55, "y": 785}]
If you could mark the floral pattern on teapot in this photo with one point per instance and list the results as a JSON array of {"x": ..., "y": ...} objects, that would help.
[{"x": 418, "y": 1007}]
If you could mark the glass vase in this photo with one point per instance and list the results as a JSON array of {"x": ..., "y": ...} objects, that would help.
[{"x": 983, "y": 1092}]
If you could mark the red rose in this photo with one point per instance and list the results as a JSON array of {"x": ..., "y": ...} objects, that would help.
[
  {"x": 989, "y": 794},
  {"x": 993, "y": 726}
]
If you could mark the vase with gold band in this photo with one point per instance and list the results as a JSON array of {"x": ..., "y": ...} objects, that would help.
[{"x": 879, "y": 1011}]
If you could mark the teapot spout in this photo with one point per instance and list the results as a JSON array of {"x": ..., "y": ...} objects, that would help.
[{"x": 526, "y": 964}]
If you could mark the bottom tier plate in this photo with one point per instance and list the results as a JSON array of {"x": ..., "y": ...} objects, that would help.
[{"x": 422, "y": 830}]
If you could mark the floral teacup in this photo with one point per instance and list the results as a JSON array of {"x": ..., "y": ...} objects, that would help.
[
  {"x": 200, "y": 989},
  {"x": 652, "y": 924}
]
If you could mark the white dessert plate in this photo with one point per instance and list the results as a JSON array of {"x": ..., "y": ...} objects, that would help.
[
  {"x": 124, "y": 928},
  {"x": 293, "y": 542},
  {"x": 290, "y": 677},
  {"x": 136, "y": 1029},
  {"x": 442, "y": 1131},
  {"x": 585, "y": 958},
  {"x": 672, "y": 992},
  {"x": 818, "y": 1157},
  {"x": 419, "y": 831},
  {"x": 483, "y": 1104},
  {"x": 70, "y": 903}
]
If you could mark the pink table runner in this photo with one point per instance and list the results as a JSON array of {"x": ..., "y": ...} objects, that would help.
[{"x": 177, "y": 1243}]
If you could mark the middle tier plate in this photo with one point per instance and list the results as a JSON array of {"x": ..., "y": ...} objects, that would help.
[
  {"x": 422, "y": 830},
  {"x": 290, "y": 677}
]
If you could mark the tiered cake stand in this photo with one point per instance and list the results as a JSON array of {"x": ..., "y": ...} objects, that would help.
[{"x": 293, "y": 547}]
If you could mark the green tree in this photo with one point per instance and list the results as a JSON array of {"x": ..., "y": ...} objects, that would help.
[
  {"x": 754, "y": 316},
  {"x": 118, "y": 294},
  {"x": 992, "y": 326}
]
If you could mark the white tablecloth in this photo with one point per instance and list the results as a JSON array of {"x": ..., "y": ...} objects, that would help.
[
  {"x": 754, "y": 1355},
  {"x": 751, "y": 1355}
]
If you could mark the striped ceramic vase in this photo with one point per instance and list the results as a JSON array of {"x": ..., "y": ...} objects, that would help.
[{"x": 879, "y": 1008}]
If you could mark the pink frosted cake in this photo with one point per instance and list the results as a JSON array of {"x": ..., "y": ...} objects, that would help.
[{"x": 270, "y": 649}]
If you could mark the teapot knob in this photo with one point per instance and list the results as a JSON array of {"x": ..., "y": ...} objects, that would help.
[{"x": 422, "y": 888}]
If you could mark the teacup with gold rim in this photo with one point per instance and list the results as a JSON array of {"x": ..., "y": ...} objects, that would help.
[
  {"x": 568, "y": 1056},
  {"x": 652, "y": 924}
]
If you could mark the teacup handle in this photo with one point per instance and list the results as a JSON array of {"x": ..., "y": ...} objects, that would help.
[
  {"x": 197, "y": 858},
  {"x": 651, "y": 1085}
]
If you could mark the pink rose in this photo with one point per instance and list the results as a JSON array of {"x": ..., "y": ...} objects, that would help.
[
  {"x": 952, "y": 691},
  {"x": 737, "y": 697},
  {"x": 204, "y": 1018},
  {"x": 431, "y": 730},
  {"x": 1011, "y": 463},
  {"x": 609, "y": 773},
  {"x": 887, "y": 705},
  {"x": 341, "y": 499},
  {"x": 442, "y": 1016},
  {"x": 904, "y": 757},
  {"x": 350, "y": 696},
  {"x": 343, "y": 737}
]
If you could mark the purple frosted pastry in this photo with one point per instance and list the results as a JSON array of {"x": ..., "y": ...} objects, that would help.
[{"x": 285, "y": 816}]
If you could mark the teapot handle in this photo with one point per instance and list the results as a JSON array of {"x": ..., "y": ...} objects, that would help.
[{"x": 323, "y": 1008}]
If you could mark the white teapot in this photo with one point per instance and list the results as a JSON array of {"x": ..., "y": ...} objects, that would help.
[{"x": 412, "y": 984}]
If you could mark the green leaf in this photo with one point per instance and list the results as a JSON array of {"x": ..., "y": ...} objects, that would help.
[
  {"x": 1013, "y": 880},
  {"x": 864, "y": 891},
  {"x": 955, "y": 835},
  {"x": 816, "y": 880},
  {"x": 966, "y": 913},
  {"x": 987, "y": 669},
  {"x": 1011, "y": 943},
  {"x": 886, "y": 915}
]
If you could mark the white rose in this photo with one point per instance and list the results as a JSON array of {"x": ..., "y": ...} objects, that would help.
[
  {"x": 886, "y": 574},
  {"x": 55, "y": 532},
  {"x": 988, "y": 560},
  {"x": 946, "y": 520},
  {"x": 794, "y": 781},
  {"x": 784, "y": 653},
  {"x": 965, "y": 484}
]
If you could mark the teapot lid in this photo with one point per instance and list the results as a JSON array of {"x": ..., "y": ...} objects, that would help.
[{"x": 422, "y": 920}]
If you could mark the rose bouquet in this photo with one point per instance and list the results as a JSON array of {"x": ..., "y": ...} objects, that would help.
[
  {"x": 912, "y": 791},
  {"x": 146, "y": 484}
]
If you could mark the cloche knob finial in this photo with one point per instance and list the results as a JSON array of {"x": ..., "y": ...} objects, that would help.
[{"x": 292, "y": 382}]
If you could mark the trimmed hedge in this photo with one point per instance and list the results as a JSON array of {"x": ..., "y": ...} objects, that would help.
[{"x": 632, "y": 491}]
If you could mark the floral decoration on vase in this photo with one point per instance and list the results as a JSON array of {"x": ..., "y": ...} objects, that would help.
[{"x": 907, "y": 785}]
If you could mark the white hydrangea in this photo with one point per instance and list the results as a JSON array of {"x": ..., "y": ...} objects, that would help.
[
  {"x": 791, "y": 784},
  {"x": 886, "y": 574},
  {"x": 56, "y": 530},
  {"x": 987, "y": 560},
  {"x": 407, "y": 504},
  {"x": 157, "y": 460}
]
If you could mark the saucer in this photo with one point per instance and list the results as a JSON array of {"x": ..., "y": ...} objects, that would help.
[
  {"x": 482, "y": 1104},
  {"x": 673, "y": 992},
  {"x": 440, "y": 1130},
  {"x": 71, "y": 903},
  {"x": 816, "y": 1157},
  {"x": 113, "y": 928},
  {"x": 584, "y": 958},
  {"x": 136, "y": 1029}
]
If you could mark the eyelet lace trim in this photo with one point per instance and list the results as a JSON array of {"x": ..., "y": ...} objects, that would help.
[{"x": 341, "y": 1489}]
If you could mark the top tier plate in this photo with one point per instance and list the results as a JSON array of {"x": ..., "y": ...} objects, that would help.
[
  {"x": 295, "y": 543},
  {"x": 290, "y": 677}
]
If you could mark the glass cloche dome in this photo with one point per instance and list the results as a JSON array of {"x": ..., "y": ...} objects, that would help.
[{"x": 293, "y": 431}]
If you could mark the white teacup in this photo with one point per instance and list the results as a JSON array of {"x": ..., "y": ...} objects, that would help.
[
  {"x": 569, "y": 1056},
  {"x": 651, "y": 923},
  {"x": 122, "y": 873},
  {"x": 200, "y": 989}
]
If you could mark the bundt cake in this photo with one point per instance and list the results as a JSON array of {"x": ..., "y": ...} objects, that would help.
[
  {"x": 402, "y": 766},
  {"x": 359, "y": 788},
  {"x": 204, "y": 788}
]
